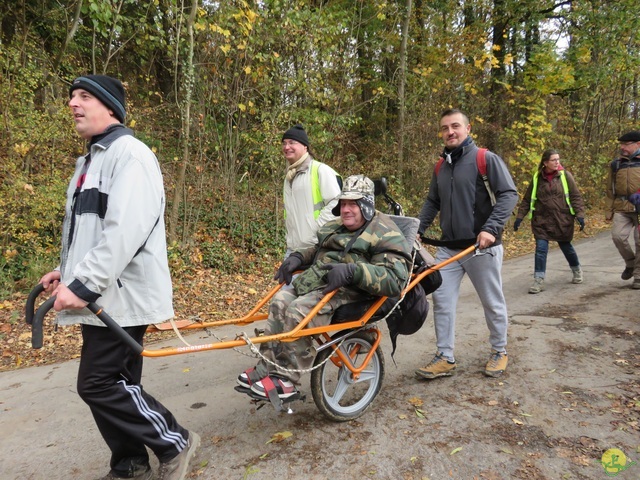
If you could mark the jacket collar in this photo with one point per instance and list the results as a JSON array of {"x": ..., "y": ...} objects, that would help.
[
  {"x": 110, "y": 135},
  {"x": 457, "y": 152}
]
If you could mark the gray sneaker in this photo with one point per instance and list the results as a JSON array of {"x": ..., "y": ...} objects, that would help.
[
  {"x": 537, "y": 286},
  {"x": 577, "y": 275},
  {"x": 636, "y": 284},
  {"x": 176, "y": 468}
]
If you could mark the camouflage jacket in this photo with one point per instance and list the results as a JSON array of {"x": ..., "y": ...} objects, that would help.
[{"x": 381, "y": 254}]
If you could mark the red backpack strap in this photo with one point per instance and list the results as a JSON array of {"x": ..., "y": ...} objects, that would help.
[
  {"x": 438, "y": 165},
  {"x": 481, "y": 160}
]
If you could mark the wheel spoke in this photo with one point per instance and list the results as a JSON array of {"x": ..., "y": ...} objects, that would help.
[
  {"x": 337, "y": 393},
  {"x": 341, "y": 387}
]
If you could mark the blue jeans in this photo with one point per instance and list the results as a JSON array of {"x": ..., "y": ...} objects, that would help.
[{"x": 542, "y": 248}]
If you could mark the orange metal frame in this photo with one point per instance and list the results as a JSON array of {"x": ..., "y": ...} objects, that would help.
[{"x": 301, "y": 329}]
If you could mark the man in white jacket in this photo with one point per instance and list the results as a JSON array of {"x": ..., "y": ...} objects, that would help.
[
  {"x": 114, "y": 249},
  {"x": 310, "y": 191}
]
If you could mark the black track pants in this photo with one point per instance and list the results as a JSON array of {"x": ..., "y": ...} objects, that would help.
[{"x": 128, "y": 418}]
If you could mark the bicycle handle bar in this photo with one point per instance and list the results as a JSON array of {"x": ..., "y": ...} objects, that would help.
[
  {"x": 31, "y": 302},
  {"x": 37, "y": 320}
]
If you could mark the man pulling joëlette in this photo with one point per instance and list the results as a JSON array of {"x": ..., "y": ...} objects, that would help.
[{"x": 467, "y": 214}]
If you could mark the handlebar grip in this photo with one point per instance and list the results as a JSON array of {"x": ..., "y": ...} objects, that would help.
[
  {"x": 31, "y": 303},
  {"x": 37, "y": 335}
]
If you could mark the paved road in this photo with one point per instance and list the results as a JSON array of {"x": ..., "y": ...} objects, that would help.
[{"x": 573, "y": 352}]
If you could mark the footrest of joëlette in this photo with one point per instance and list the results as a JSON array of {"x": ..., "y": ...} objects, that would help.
[{"x": 258, "y": 398}]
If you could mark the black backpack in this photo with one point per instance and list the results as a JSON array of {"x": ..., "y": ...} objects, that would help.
[{"x": 411, "y": 314}]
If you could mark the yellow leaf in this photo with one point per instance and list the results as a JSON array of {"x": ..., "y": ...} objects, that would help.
[
  {"x": 242, "y": 107},
  {"x": 225, "y": 48},
  {"x": 280, "y": 437},
  {"x": 415, "y": 401},
  {"x": 247, "y": 69},
  {"x": 455, "y": 450},
  {"x": 252, "y": 291},
  {"x": 132, "y": 123},
  {"x": 186, "y": 370},
  {"x": 517, "y": 422}
]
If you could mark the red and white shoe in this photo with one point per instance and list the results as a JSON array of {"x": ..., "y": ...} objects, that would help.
[
  {"x": 244, "y": 379},
  {"x": 283, "y": 387}
]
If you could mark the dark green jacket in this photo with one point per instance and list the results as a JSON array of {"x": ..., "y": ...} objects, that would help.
[{"x": 381, "y": 254}]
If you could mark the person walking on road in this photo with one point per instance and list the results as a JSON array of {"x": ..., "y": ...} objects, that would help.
[
  {"x": 114, "y": 249},
  {"x": 623, "y": 181},
  {"x": 468, "y": 215},
  {"x": 553, "y": 203},
  {"x": 310, "y": 191}
]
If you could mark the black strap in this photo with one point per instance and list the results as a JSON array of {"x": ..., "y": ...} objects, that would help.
[
  {"x": 353, "y": 239},
  {"x": 454, "y": 244}
]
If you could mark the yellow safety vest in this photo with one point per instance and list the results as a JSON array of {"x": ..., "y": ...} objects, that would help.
[
  {"x": 316, "y": 194},
  {"x": 534, "y": 192}
]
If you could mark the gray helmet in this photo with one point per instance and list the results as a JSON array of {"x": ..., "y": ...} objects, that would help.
[{"x": 360, "y": 189}]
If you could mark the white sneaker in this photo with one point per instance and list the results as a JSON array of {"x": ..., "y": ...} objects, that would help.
[
  {"x": 577, "y": 275},
  {"x": 537, "y": 286}
]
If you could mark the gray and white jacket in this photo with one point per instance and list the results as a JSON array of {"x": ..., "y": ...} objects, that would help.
[{"x": 113, "y": 242}]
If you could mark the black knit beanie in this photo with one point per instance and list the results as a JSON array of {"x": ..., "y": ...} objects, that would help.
[
  {"x": 106, "y": 89},
  {"x": 298, "y": 134}
]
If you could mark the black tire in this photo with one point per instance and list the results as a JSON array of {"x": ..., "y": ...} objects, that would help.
[{"x": 334, "y": 391}]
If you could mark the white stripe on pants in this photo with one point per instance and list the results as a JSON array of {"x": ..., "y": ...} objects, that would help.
[{"x": 484, "y": 273}]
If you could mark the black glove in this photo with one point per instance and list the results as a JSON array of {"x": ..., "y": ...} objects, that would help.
[
  {"x": 635, "y": 198},
  {"x": 580, "y": 222},
  {"x": 290, "y": 265},
  {"x": 516, "y": 224},
  {"x": 339, "y": 275}
]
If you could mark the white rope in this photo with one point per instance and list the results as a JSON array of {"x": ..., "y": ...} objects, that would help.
[{"x": 177, "y": 330}]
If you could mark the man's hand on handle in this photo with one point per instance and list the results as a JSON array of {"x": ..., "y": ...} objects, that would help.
[
  {"x": 485, "y": 240},
  {"x": 66, "y": 299},
  {"x": 50, "y": 281}
]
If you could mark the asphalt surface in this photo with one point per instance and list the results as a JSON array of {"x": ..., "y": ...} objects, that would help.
[{"x": 48, "y": 432}]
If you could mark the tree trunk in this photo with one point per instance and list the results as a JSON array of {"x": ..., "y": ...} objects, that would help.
[
  {"x": 186, "y": 126},
  {"x": 401, "y": 87}
]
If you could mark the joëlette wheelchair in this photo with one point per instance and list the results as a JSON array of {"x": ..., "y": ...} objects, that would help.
[{"x": 349, "y": 367}]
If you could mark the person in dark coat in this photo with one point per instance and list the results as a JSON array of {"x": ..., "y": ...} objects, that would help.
[{"x": 554, "y": 203}]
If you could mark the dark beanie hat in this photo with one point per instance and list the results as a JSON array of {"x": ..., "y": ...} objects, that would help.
[
  {"x": 298, "y": 134},
  {"x": 632, "y": 136},
  {"x": 106, "y": 89}
]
